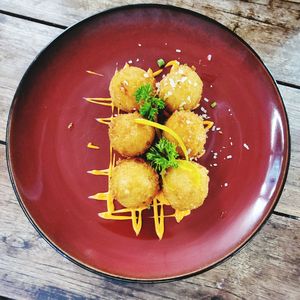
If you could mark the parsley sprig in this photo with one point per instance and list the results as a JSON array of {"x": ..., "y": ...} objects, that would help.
[
  {"x": 150, "y": 104},
  {"x": 163, "y": 155}
]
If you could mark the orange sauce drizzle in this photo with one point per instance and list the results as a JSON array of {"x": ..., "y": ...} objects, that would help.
[
  {"x": 133, "y": 214},
  {"x": 92, "y": 146},
  {"x": 156, "y": 73},
  {"x": 209, "y": 125},
  {"x": 100, "y": 101},
  {"x": 94, "y": 73}
]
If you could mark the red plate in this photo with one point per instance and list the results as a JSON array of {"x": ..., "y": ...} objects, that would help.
[{"x": 48, "y": 161}]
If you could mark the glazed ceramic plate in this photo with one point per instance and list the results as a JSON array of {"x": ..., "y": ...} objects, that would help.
[{"x": 48, "y": 161}]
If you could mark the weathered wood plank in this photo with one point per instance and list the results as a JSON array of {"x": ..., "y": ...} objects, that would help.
[
  {"x": 31, "y": 269},
  {"x": 14, "y": 61},
  {"x": 20, "y": 42},
  {"x": 289, "y": 202},
  {"x": 270, "y": 27}
]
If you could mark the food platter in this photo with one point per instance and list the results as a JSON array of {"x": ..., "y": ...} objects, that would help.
[{"x": 50, "y": 125}]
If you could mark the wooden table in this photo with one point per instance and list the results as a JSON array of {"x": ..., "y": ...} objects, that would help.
[{"x": 267, "y": 268}]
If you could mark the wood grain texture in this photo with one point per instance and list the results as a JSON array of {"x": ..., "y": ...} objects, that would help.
[
  {"x": 20, "y": 42},
  {"x": 267, "y": 268},
  {"x": 289, "y": 202},
  {"x": 272, "y": 28},
  {"x": 31, "y": 269}
]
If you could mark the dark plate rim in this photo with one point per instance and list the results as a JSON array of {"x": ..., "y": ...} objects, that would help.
[{"x": 118, "y": 277}]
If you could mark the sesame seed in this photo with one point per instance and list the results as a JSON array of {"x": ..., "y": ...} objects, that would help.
[
  {"x": 215, "y": 164},
  {"x": 225, "y": 184},
  {"x": 209, "y": 56},
  {"x": 168, "y": 94},
  {"x": 211, "y": 86},
  {"x": 137, "y": 60},
  {"x": 213, "y": 128},
  {"x": 183, "y": 79},
  {"x": 218, "y": 128},
  {"x": 146, "y": 75},
  {"x": 203, "y": 109},
  {"x": 172, "y": 83},
  {"x": 70, "y": 125},
  {"x": 178, "y": 50},
  {"x": 229, "y": 156},
  {"x": 140, "y": 45},
  {"x": 125, "y": 82},
  {"x": 166, "y": 44},
  {"x": 205, "y": 99},
  {"x": 246, "y": 146},
  {"x": 231, "y": 143}
]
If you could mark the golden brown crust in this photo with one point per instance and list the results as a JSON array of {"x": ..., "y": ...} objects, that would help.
[
  {"x": 181, "y": 88},
  {"x": 124, "y": 84},
  {"x": 189, "y": 126},
  {"x": 186, "y": 189},
  {"x": 134, "y": 183},
  {"x": 129, "y": 138}
]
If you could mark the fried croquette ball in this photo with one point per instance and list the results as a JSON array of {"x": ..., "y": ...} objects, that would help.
[
  {"x": 124, "y": 84},
  {"x": 181, "y": 88},
  {"x": 185, "y": 187},
  {"x": 134, "y": 183},
  {"x": 129, "y": 138},
  {"x": 189, "y": 126}
]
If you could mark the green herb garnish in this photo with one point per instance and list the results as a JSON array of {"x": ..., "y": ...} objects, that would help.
[
  {"x": 150, "y": 104},
  {"x": 213, "y": 105},
  {"x": 160, "y": 63},
  {"x": 163, "y": 155}
]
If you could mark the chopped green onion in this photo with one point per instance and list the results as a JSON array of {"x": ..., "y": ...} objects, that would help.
[
  {"x": 160, "y": 62},
  {"x": 213, "y": 105}
]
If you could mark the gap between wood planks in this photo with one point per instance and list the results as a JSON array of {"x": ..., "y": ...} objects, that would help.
[{"x": 11, "y": 14}]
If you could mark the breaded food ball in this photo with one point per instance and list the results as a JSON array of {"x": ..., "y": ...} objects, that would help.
[
  {"x": 185, "y": 187},
  {"x": 124, "y": 84},
  {"x": 129, "y": 138},
  {"x": 189, "y": 126},
  {"x": 181, "y": 88},
  {"x": 134, "y": 183}
]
